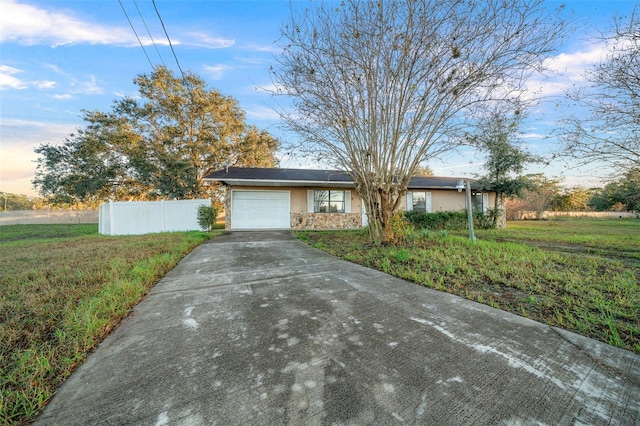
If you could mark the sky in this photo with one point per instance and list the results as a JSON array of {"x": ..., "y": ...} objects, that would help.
[{"x": 58, "y": 58}]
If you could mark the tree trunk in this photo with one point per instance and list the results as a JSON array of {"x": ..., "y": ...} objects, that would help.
[{"x": 380, "y": 209}]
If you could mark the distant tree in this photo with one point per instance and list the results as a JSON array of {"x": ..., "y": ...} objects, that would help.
[
  {"x": 10, "y": 201},
  {"x": 612, "y": 131},
  {"x": 159, "y": 145},
  {"x": 378, "y": 87},
  {"x": 497, "y": 135},
  {"x": 537, "y": 198},
  {"x": 622, "y": 194},
  {"x": 423, "y": 171},
  {"x": 574, "y": 199}
]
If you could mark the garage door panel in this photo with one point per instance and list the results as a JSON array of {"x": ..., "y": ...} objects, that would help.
[{"x": 260, "y": 209}]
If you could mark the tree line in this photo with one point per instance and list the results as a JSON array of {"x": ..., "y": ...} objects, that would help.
[{"x": 545, "y": 194}]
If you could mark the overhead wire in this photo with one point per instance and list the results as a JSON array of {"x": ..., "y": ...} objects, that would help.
[
  {"x": 136, "y": 33},
  {"x": 168, "y": 39},
  {"x": 149, "y": 32}
]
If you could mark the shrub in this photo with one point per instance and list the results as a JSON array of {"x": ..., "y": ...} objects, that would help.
[
  {"x": 452, "y": 220},
  {"x": 437, "y": 221},
  {"x": 401, "y": 229},
  {"x": 207, "y": 217}
]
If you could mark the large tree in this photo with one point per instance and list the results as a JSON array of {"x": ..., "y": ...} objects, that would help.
[
  {"x": 160, "y": 144},
  {"x": 610, "y": 132},
  {"x": 377, "y": 86}
]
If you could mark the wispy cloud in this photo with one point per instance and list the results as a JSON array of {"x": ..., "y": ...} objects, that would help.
[
  {"x": 33, "y": 25},
  {"x": 89, "y": 87},
  {"x": 8, "y": 80},
  {"x": 216, "y": 72},
  {"x": 267, "y": 48},
  {"x": 262, "y": 113},
  {"x": 44, "y": 85},
  {"x": 567, "y": 70},
  {"x": 204, "y": 40},
  {"x": 268, "y": 88}
]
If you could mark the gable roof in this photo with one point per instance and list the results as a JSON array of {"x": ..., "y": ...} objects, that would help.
[{"x": 249, "y": 176}]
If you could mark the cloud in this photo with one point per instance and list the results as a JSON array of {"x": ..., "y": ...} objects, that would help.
[
  {"x": 267, "y": 48},
  {"x": 32, "y": 25},
  {"x": 204, "y": 40},
  {"x": 45, "y": 84},
  {"x": 566, "y": 70},
  {"x": 262, "y": 113},
  {"x": 90, "y": 87},
  {"x": 77, "y": 87},
  {"x": 8, "y": 81},
  {"x": 268, "y": 88},
  {"x": 533, "y": 136},
  {"x": 216, "y": 71}
]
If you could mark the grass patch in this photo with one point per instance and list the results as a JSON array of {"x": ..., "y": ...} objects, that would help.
[
  {"x": 63, "y": 288},
  {"x": 572, "y": 277}
]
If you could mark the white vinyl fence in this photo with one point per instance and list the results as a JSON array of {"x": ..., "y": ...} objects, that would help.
[{"x": 147, "y": 217}]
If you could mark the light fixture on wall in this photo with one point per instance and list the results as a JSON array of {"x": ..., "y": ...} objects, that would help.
[{"x": 467, "y": 187}]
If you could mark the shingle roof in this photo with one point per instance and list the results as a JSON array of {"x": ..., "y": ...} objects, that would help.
[
  {"x": 273, "y": 174},
  {"x": 248, "y": 175}
]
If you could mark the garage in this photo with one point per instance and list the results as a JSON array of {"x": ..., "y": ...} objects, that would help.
[{"x": 260, "y": 209}]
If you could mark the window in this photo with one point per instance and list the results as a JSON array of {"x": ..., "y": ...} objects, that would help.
[
  {"x": 329, "y": 201},
  {"x": 480, "y": 202},
  {"x": 419, "y": 201}
]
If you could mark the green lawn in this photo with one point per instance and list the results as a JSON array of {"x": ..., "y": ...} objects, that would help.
[
  {"x": 63, "y": 288},
  {"x": 581, "y": 275}
]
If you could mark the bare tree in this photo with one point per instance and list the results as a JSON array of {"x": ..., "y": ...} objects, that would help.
[
  {"x": 611, "y": 131},
  {"x": 377, "y": 86}
]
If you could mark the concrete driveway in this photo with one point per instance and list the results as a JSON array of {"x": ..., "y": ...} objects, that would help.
[{"x": 258, "y": 328}]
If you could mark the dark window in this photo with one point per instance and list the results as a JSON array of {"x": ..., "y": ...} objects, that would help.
[
  {"x": 419, "y": 201},
  {"x": 328, "y": 201}
]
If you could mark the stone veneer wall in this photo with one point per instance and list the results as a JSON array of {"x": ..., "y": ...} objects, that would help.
[
  {"x": 326, "y": 220},
  {"x": 227, "y": 209}
]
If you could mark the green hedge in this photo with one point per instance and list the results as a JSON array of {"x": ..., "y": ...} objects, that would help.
[
  {"x": 447, "y": 220},
  {"x": 437, "y": 221}
]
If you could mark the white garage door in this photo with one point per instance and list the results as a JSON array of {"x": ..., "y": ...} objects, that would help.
[{"x": 260, "y": 210}]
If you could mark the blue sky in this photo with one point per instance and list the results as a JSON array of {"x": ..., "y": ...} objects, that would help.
[{"x": 59, "y": 57}]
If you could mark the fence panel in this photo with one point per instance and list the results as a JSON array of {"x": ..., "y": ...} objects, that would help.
[{"x": 147, "y": 217}]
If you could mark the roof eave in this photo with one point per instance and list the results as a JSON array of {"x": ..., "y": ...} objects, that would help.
[{"x": 280, "y": 183}]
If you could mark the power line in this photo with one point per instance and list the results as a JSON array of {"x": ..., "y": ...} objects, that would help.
[
  {"x": 149, "y": 32},
  {"x": 134, "y": 31},
  {"x": 168, "y": 39}
]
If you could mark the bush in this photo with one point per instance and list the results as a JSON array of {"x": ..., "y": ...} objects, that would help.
[
  {"x": 207, "y": 217},
  {"x": 451, "y": 220},
  {"x": 437, "y": 221},
  {"x": 401, "y": 229}
]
